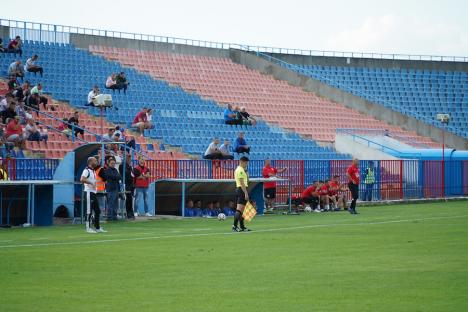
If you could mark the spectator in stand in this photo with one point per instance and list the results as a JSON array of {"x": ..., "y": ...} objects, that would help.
[
  {"x": 16, "y": 70},
  {"x": 142, "y": 176},
  {"x": 269, "y": 188},
  {"x": 247, "y": 119},
  {"x": 141, "y": 121},
  {"x": 63, "y": 127},
  {"x": 122, "y": 82},
  {"x": 311, "y": 196},
  {"x": 42, "y": 99},
  {"x": 108, "y": 137},
  {"x": 22, "y": 113},
  {"x": 197, "y": 209},
  {"x": 225, "y": 150},
  {"x": 9, "y": 113},
  {"x": 353, "y": 184},
  {"x": 32, "y": 133},
  {"x": 74, "y": 122},
  {"x": 4, "y": 100},
  {"x": 33, "y": 101},
  {"x": 111, "y": 83},
  {"x": 149, "y": 115},
  {"x": 13, "y": 85},
  {"x": 112, "y": 177},
  {"x": 92, "y": 95},
  {"x": 129, "y": 185},
  {"x": 22, "y": 92},
  {"x": 240, "y": 146},
  {"x": 14, "y": 132},
  {"x": 213, "y": 152},
  {"x": 2, "y": 49},
  {"x": 31, "y": 66},
  {"x": 231, "y": 117},
  {"x": 15, "y": 46}
]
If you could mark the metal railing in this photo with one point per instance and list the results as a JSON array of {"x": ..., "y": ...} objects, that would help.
[{"x": 61, "y": 34}]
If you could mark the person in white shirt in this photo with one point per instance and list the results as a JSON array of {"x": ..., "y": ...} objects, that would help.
[
  {"x": 111, "y": 83},
  {"x": 92, "y": 94},
  {"x": 88, "y": 178},
  {"x": 213, "y": 152},
  {"x": 31, "y": 66},
  {"x": 225, "y": 150},
  {"x": 32, "y": 133}
]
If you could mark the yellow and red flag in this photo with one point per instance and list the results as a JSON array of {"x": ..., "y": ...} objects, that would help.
[{"x": 249, "y": 212}]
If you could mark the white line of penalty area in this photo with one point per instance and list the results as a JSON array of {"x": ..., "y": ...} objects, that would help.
[{"x": 101, "y": 241}]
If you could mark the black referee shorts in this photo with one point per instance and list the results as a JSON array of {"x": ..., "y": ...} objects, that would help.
[
  {"x": 269, "y": 193},
  {"x": 240, "y": 196}
]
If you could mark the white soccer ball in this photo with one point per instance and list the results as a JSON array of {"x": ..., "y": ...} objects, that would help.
[
  {"x": 221, "y": 217},
  {"x": 307, "y": 209}
]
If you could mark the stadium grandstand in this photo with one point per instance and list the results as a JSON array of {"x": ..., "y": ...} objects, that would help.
[{"x": 188, "y": 86}]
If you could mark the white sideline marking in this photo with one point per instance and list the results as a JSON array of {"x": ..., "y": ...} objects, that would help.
[{"x": 228, "y": 233}]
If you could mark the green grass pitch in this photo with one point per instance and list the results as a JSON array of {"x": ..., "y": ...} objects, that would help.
[{"x": 387, "y": 258}]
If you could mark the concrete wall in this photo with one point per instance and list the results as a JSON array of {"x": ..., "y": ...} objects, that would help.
[
  {"x": 368, "y": 62},
  {"x": 84, "y": 41},
  {"x": 359, "y": 149},
  {"x": 349, "y": 100}
]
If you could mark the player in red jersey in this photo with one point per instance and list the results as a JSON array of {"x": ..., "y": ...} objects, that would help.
[
  {"x": 334, "y": 187},
  {"x": 353, "y": 184},
  {"x": 311, "y": 196},
  {"x": 323, "y": 192}
]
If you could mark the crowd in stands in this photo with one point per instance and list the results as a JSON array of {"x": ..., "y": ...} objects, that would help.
[
  {"x": 215, "y": 151},
  {"x": 238, "y": 116}
]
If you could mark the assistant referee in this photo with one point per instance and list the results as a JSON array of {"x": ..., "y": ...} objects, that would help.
[{"x": 242, "y": 195}]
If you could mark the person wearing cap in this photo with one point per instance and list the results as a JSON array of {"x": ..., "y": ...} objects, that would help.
[
  {"x": 242, "y": 195},
  {"x": 112, "y": 177},
  {"x": 92, "y": 95},
  {"x": 121, "y": 82}
]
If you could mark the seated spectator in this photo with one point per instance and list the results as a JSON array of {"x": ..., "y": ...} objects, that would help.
[
  {"x": 16, "y": 70},
  {"x": 22, "y": 92},
  {"x": 63, "y": 127},
  {"x": 2, "y": 49},
  {"x": 31, "y": 66},
  {"x": 15, "y": 46},
  {"x": 111, "y": 83},
  {"x": 231, "y": 117},
  {"x": 74, "y": 122},
  {"x": 109, "y": 135},
  {"x": 9, "y": 113},
  {"x": 216, "y": 208},
  {"x": 213, "y": 152},
  {"x": 247, "y": 119},
  {"x": 13, "y": 84},
  {"x": 42, "y": 99},
  {"x": 122, "y": 82},
  {"x": 209, "y": 210},
  {"x": 230, "y": 208},
  {"x": 141, "y": 121},
  {"x": 225, "y": 150},
  {"x": 240, "y": 146},
  {"x": 4, "y": 102},
  {"x": 92, "y": 94},
  {"x": 32, "y": 133},
  {"x": 22, "y": 113},
  {"x": 14, "y": 132}
]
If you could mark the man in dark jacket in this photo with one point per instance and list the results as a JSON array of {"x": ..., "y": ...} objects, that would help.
[
  {"x": 129, "y": 185},
  {"x": 112, "y": 177}
]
